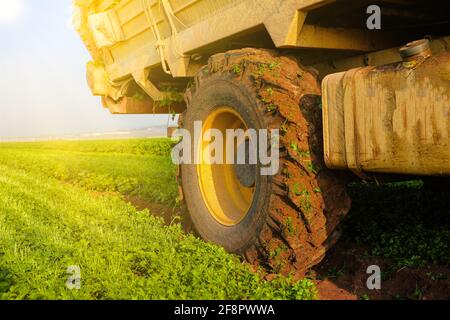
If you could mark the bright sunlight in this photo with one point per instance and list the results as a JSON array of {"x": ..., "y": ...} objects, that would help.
[{"x": 10, "y": 10}]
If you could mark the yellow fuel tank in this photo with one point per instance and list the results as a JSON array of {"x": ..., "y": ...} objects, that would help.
[{"x": 390, "y": 119}]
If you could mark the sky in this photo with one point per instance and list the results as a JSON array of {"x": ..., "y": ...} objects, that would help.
[{"x": 43, "y": 87}]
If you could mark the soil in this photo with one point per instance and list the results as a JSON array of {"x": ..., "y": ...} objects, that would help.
[
  {"x": 170, "y": 214},
  {"x": 343, "y": 275}
]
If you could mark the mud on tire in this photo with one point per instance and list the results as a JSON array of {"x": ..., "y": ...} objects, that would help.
[{"x": 298, "y": 211}]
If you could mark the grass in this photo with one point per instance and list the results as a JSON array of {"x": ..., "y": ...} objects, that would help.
[
  {"x": 405, "y": 222},
  {"x": 132, "y": 167},
  {"x": 50, "y": 221},
  {"x": 154, "y": 147}
]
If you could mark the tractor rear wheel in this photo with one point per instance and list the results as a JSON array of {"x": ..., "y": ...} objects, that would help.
[{"x": 284, "y": 222}]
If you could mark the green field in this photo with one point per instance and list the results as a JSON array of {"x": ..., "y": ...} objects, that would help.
[
  {"x": 65, "y": 203},
  {"x": 62, "y": 204}
]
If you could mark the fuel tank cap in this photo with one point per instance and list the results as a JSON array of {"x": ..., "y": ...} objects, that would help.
[{"x": 418, "y": 48}]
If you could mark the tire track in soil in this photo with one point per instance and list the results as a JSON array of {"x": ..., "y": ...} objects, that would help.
[{"x": 170, "y": 214}]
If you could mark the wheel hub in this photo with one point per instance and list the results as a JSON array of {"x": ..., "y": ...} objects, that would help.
[
  {"x": 246, "y": 173},
  {"x": 227, "y": 189}
]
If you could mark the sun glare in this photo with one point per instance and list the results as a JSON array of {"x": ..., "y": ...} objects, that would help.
[{"x": 10, "y": 10}]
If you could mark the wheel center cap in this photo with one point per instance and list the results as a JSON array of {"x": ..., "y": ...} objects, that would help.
[{"x": 246, "y": 173}]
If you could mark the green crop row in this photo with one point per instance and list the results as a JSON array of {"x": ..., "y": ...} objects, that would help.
[
  {"x": 150, "y": 177},
  {"x": 51, "y": 219},
  {"x": 154, "y": 147}
]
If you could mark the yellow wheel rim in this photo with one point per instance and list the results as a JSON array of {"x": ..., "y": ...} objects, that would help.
[{"x": 226, "y": 198}]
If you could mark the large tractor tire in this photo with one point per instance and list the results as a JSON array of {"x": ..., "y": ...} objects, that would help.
[{"x": 285, "y": 222}]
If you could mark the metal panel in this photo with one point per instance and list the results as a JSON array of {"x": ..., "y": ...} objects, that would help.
[{"x": 389, "y": 119}]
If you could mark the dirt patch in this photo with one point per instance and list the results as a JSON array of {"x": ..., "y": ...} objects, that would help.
[
  {"x": 328, "y": 290},
  {"x": 170, "y": 214},
  {"x": 343, "y": 276}
]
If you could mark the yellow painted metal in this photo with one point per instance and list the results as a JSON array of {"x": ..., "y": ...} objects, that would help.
[
  {"x": 215, "y": 21},
  {"x": 389, "y": 119},
  {"x": 376, "y": 59},
  {"x": 127, "y": 105},
  {"x": 97, "y": 79},
  {"x": 131, "y": 36},
  {"x": 105, "y": 28},
  {"x": 226, "y": 199}
]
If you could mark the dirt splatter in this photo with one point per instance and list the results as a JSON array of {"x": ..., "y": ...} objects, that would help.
[{"x": 307, "y": 200}]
